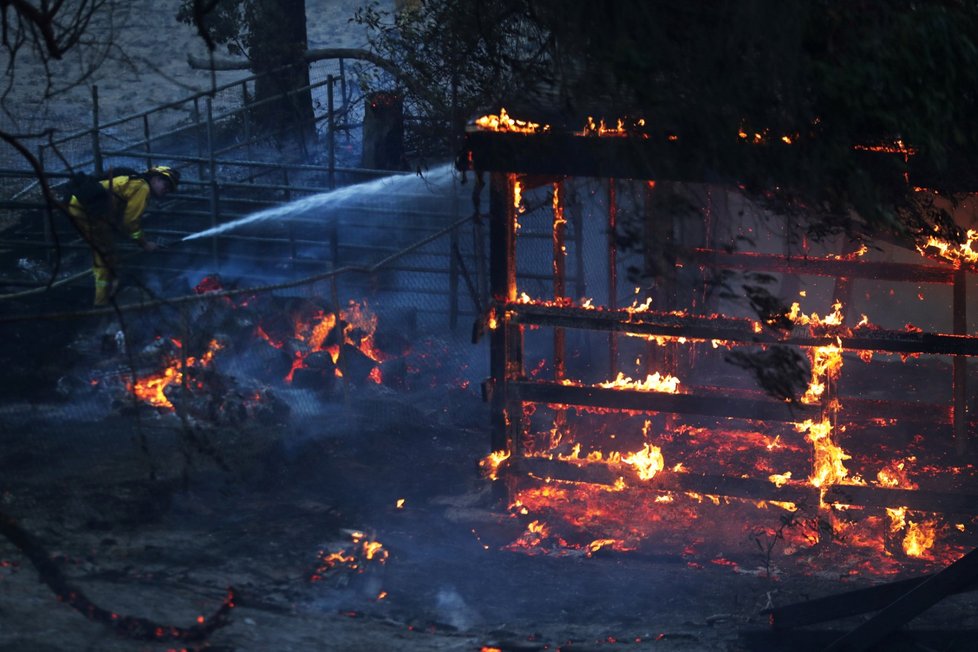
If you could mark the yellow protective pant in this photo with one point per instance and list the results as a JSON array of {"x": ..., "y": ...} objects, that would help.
[{"x": 98, "y": 234}]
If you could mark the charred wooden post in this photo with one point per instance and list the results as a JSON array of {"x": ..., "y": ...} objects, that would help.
[
  {"x": 960, "y": 363},
  {"x": 559, "y": 273},
  {"x": 383, "y": 131},
  {"x": 612, "y": 275},
  {"x": 850, "y": 603},
  {"x": 505, "y": 340}
]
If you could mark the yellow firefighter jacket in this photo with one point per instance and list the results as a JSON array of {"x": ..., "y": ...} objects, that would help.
[{"x": 130, "y": 196}]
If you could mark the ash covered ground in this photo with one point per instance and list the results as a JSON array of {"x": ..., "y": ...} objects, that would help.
[{"x": 353, "y": 519}]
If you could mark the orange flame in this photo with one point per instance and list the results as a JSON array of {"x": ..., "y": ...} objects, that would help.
[
  {"x": 503, "y": 122},
  {"x": 652, "y": 383},
  {"x": 647, "y": 462},
  {"x": 151, "y": 389},
  {"x": 954, "y": 252},
  {"x": 490, "y": 463},
  {"x": 920, "y": 538}
]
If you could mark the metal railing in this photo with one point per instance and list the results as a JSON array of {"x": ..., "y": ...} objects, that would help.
[{"x": 228, "y": 171}]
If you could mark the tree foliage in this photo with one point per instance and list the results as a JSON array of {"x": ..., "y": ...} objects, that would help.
[{"x": 831, "y": 76}]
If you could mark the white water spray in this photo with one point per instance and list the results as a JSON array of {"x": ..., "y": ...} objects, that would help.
[{"x": 436, "y": 180}]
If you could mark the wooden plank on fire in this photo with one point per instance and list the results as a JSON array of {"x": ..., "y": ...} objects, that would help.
[
  {"x": 667, "y": 481},
  {"x": 914, "y": 499},
  {"x": 844, "y": 605},
  {"x": 821, "y": 266},
  {"x": 720, "y": 404},
  {"x": 749, "y": 488},
  {"x": 920, "y": 598},
  {"x": 716, "y": 327}
]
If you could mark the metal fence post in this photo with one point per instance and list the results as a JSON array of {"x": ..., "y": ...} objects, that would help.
[
  {"x": 331, "y": 124},
  {"x": 48, "y": 217},
  {"x": 200, "y": 150},
  {"x": 212, "y": 173},
  {"x": 96, "y": 148},
  {"x": 146, "y": 139},
  {"x": 246, "y": 117},
  {"x": 453, "y": 279}
]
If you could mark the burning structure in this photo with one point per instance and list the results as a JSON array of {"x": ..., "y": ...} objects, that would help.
[{"x": 677, "y": 420}]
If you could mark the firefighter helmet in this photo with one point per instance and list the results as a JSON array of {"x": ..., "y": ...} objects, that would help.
[{"x": 171, "y": 175}]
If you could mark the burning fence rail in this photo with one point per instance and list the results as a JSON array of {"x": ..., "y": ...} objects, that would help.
[{"x": 623, "y": 464}]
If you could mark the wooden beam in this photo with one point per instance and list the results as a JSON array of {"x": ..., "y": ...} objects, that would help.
[
  {"x": 719, "y": 404},
  {"x": 935, "y": 588},
  {"x": 668, "y": 481},
  {"x": 876, "y": 270},
  {"x": 844, "y": 605},
  {"x": 716, "y": 327}
]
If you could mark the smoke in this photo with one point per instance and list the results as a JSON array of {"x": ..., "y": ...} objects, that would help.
[{"x": 453, "y": 610}]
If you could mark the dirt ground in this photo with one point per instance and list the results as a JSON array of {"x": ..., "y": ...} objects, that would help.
[{"x": 161, "y": 529}]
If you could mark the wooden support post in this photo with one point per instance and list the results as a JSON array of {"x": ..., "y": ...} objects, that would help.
[
  {"x": 560, "y": 273},
  {"x": 612, "y": 275},
  {"x": 577, "y": 219},
  {"x": 505, "y": 340},
  {"x": 952, "y": 579},
  {"x": 960, "y": 364}
]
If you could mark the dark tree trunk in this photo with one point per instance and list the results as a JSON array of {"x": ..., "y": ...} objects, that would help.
[{"x": 278, "y": 39}]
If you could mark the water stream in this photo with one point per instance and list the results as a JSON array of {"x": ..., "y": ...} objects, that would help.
[{"x": 435, "y": 180}]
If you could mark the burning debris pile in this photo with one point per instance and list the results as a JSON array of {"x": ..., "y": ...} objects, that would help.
[{"x": 240, "y": 354}]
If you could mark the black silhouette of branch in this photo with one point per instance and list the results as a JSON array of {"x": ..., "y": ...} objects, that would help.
[{"x": 133, "y": 627}]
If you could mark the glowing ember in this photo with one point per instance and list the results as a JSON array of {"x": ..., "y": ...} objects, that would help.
[
  {"x": 895, "y": 474},
  {"x": 352, "y": 558},
  {"x": 358, "y": 332},
  {"x": 152, "y": 389}
]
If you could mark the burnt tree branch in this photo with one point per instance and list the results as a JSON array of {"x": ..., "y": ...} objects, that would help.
[{"x": 133, "y": 627}]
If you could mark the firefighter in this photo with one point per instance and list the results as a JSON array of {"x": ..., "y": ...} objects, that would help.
[{"x": 102, "y": 208}]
